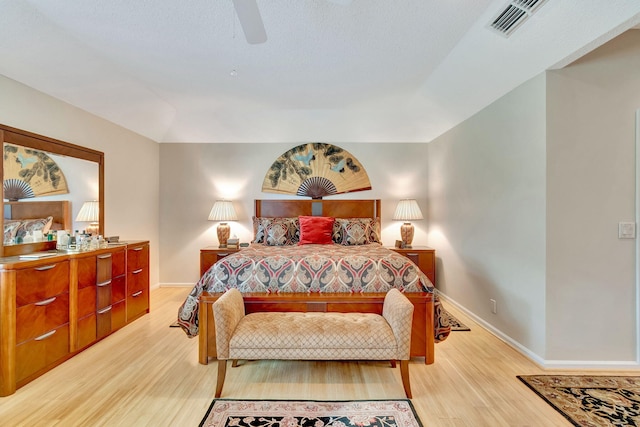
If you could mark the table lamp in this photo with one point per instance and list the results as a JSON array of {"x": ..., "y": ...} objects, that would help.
[
  {"x": 407, "y": 210},
  {"x": 223, "y": 211},
  {"x": 90, "y": 212}
]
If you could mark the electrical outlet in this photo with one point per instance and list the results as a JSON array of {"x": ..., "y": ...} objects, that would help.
[{"x": 494, "y": 306}]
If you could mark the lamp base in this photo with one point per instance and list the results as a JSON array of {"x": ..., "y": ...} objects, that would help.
[
  {"x": 223, "y": 234},
  {"x": 92, "y": 229},
  {"x": 406, "y": 231}
]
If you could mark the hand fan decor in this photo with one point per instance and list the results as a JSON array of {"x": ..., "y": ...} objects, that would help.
[
  {"x": 31, "y": 173},
  {"x": 316, "y": 170}
]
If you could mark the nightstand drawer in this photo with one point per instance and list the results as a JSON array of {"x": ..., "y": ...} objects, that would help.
[
  {"x": 423, "y": 257},
  {"x": 211, "y": 255}
]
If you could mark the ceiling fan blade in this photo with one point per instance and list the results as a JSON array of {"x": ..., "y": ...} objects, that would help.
[{"x": 250, "y": 20}]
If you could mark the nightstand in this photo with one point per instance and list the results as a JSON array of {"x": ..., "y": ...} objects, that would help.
[
  {"x": 424, "y": 257},
  {"x": 212, "y": 254}
]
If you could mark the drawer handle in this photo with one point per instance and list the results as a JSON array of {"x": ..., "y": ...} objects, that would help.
[
  {"x": 45, "y": 336},
  {"x": 104, "y": 256},
  {"x": 137, "y": 271},
  {"x": 137, "y": 249},
  {"x": 137, "y": 294},
  {"x": 221, "y": 255},
  {"x": 108, "y": 282},
  {"x": 104, "y": 310},
  {"x": 410, "y": 254},
  {"x": 46, "y": 302},
  {"x": 46, "y": 267}
]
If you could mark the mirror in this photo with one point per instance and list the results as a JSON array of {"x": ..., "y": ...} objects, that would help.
[{"x": 83, "y": 169}]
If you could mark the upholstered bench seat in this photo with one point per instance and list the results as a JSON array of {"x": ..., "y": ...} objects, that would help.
[{"x": 313, "y": 335}]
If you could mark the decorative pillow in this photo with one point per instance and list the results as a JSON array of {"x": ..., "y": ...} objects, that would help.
[
  {"x": 258, "y": 230},
  {"x": 356, "y": 231},
  {"x": 316, "y": 229},
  {"x": 279, "y": 231},
  {"x": 30, "y": 225},
  {"x": 10, "y": 227}
]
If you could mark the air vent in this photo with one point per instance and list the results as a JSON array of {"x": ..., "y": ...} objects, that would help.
[{"x": 514, "y": 14}]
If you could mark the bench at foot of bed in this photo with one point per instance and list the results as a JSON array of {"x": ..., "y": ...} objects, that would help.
[
  {"x": 422, "y": 336},
  {"x": 313, "y": 336}
]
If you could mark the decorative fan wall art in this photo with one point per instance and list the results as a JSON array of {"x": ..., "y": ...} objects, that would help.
[
  {"x": 316, "y": 170},
  {"x": 31, "y": 173}
]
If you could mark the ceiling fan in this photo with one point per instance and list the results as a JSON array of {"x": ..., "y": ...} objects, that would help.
[{"x": 251, "y": 21}]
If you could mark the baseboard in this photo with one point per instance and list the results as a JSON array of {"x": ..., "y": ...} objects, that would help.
[
  {"x": 545, "y": 364},
  {"x": 176, "y": 285}
]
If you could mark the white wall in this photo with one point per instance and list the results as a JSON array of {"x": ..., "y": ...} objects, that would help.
[
  {"x": 193, "y": 176},
  {"x": 131, "y": 161},
  {"x": 591, "y": 187},
  {"x": 487, "y": 213},
  {"x": 525, "y": 199}
]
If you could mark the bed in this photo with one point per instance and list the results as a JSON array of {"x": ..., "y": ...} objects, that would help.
[{"x": 293, "y": 266}]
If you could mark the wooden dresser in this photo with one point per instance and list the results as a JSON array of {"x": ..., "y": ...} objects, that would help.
[{"x": 53, "y": 308}]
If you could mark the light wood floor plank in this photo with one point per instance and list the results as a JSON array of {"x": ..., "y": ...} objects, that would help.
[{"x": 147, "y": 374}]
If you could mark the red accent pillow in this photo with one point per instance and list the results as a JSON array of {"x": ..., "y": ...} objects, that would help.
[{"x": 316, "y": 229}]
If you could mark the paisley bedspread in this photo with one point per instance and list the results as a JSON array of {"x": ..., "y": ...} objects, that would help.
[{"x": 310, "y": 268}]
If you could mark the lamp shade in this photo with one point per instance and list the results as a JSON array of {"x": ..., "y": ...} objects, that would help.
[
  {"x": 89, "y": 212},
  {"x": 407, "y": 210},
  {"x": 223, "y": 211}
]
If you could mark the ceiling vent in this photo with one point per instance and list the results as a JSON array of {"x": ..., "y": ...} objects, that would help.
[{"x": 514, "y": 14}]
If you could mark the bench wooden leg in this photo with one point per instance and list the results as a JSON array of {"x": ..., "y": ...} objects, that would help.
[
  {"x": 393, "y": 363},
  {"x": 234, "y": 364},
  {"x": 222, "y": 370},
  {"x": 404, "y": 373}
]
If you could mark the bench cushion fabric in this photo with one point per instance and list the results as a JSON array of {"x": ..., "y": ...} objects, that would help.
[{"x": 313, "y": 336}]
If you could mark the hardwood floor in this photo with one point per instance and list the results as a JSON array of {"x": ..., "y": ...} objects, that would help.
[{"x": 147, "y": 374}]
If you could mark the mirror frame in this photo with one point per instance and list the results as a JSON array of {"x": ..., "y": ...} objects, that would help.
[{"x": 44, "y": 143}]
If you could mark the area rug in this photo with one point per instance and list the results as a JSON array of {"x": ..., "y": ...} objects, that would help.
[
  {"x": 591, "y": 401},
  {"x": 304, "y": 413},
  {"x": 456, "y": 325}
]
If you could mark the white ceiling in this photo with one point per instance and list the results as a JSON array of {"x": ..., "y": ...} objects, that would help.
[{"x": 370, "y": 71}]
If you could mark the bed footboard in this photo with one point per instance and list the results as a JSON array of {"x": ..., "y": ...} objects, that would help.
[{"x": 422, "y": 334}]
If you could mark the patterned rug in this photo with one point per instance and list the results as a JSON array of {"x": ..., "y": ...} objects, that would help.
[
  {"x": 591, "y": 401},
  {"x": 301, "y": 413},
  {"x": 456, "y": 325}
]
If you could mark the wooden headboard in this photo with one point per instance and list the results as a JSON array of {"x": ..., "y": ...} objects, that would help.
[
  {"x": 334, "y": 208},
  {"x": 60, "y": 210}
]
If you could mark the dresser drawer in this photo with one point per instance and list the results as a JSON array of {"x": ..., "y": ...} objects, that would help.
[
  {"x": 137, "y": 280},
  {"x": 86, "y": 301},
  {"x": 104, "y": 268},
  {"x": 118, "y": 289},
  {"x": 40, "y": 283},
  {"x": 117, "y": 263},
  {"x": 86, "y": 272},
  {"x": 103, "y": 294},
  {"x": 35, "y": 319},
  {"x": 36, "y": 354},
  {"x": 137, "y": 258},
  {"x": 118, "y": 315},
  {"x": 104, "y": 321},
  {"x": 86, "y": 331},
  {"x": 137, "y": 303}
]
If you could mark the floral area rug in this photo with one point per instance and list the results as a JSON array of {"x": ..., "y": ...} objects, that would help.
[
  {"x": 456, "y": 325},
  {"x": 301, "y": 413},
  {"x": 590, "y": 401}
]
